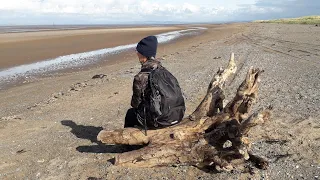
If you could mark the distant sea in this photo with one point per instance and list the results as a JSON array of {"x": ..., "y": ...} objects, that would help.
[{"x": 37, "y": 28}]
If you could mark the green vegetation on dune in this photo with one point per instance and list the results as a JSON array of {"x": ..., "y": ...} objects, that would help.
[{"x": 299, "y": 20}]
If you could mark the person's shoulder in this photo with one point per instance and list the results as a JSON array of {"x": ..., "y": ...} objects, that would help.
[
  {"x": 144, "y": 73},
  {"x": 139, "y": 77}
]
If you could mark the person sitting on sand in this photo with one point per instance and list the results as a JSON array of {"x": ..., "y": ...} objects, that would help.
[{"x": 150, "y": 108}]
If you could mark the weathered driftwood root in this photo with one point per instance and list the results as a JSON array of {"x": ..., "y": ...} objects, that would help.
[
  {"x": 213, "y": 135},
  {"x": 212, "y": 102}
]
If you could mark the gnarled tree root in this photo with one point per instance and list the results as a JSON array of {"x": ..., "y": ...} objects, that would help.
[{"x": 212, "y": 136}]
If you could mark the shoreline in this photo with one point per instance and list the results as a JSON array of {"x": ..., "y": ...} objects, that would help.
[
  {"x": 29, "y": 47},
  {"x": 20, "y": 74}
]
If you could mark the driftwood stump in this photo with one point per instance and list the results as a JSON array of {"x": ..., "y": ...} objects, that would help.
[{"x": 212, "y": 136}]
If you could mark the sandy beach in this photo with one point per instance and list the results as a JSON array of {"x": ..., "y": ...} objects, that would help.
[{"x": 49, "y": 125}]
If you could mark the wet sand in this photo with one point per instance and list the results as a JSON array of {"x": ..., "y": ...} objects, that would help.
[{"x": 29, "y": 47}]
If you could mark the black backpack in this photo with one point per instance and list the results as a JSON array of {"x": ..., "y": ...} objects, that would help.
[{"x": 163, "y": 101}]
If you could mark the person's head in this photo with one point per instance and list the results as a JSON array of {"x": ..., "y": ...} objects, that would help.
[{"x": 147, "y": 48}]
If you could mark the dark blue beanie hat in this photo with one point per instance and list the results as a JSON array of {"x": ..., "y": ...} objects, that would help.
[{"x": 148, "y": 46}]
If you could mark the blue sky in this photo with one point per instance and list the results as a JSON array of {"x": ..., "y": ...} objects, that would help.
[{"x": 16, "y": 12}]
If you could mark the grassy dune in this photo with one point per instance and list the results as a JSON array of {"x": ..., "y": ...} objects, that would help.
[{"x": 299, "y": 20}]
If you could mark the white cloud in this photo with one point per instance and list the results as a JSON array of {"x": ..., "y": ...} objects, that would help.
[
  {"x": 117, "y": 11},
  {"x": 123, "y": 10}
]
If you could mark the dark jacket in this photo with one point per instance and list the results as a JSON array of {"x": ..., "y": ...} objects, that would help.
[{"x": 140, "y": 81}]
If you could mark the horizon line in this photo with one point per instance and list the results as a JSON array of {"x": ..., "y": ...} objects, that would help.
[{"x": 139, "y": 23}]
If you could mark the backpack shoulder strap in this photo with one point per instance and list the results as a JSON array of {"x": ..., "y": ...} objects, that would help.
[{"x": 146, "y": 70}]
